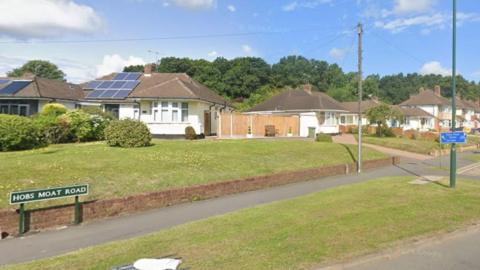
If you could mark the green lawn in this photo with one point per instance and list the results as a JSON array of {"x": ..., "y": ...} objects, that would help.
[
  {"x": 301, "y": 233},
  {"x": 115, "y": 172},
  {"x": 421, "y": 146}
]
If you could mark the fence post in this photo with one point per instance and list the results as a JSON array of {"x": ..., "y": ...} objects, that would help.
[{"x": 231, "y": 124}]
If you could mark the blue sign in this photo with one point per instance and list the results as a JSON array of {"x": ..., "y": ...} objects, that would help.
[{"x": 453, "y": 137}]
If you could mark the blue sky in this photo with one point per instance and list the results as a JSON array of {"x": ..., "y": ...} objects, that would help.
[{"x": 400, "y": 35}]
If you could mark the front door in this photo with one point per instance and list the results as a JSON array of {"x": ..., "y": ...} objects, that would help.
[{"x": 208, "y": 119}]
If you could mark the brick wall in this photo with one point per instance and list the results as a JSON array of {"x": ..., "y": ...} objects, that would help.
[{"x": 44, "y": 218}]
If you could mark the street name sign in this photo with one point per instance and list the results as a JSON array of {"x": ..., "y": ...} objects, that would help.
[
  {"x": 20, "y": 197},
  {"x": 453, "y": 137}
]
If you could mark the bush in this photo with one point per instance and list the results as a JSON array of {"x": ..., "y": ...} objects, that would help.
[
  {"x": 52, "y": 128},
  {"x": 53, "y": 109},
  {"x": 97, "y": 111},
  {"x": 19, "y": 133},
  {"x": 80, "y": 125},
  {"x": 127, "y": 133},
  {"x": 190, "y": 133},
  {"x": 322, "y": 137},
  {"x": 354, "y": 130}
]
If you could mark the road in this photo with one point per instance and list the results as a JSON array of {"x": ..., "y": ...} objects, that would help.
[
  {"x": 56, "y": 242},
  {"x": 459, "y": 251}
]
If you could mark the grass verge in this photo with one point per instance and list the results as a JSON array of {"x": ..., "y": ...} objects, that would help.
[
  {"x": 302, "y": 233},
  {"x": 116, "y": 172},
  {"x": 421, "y": 146}
]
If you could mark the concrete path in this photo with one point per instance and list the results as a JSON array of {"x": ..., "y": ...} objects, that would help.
[
  {"x": 350, "y": 139},
  {"x": 459, "y": 251},
  {"x": 51, "y": 243}
]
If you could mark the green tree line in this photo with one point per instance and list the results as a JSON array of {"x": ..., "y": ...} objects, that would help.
[{"x": 250, "y": 80}]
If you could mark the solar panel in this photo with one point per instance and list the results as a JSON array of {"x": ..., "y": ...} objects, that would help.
[
  {"x": 104, "y": 85},
  {"x": 129, "y": 85},
  {"x": 108, "y": 94},
  {"x": 3, "y": 81},
  {"x": 122, "y": 94},
  {"x": 133, "y": 76},
  {"x": 93, "y": 84},
  {"x": 14, "y": 87},
  {"x": 120, "y": 76},
  {"x": 95, "y": 94},
  {"x": 117, "y": 84}
]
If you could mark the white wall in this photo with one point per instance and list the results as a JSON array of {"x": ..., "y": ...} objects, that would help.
[
  {"x": 196, "y": 113},
  {"x": 310, "y": 119}
]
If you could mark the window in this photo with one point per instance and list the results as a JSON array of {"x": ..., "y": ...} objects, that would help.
[
  {"x": 136, "y": 111},
  {"x": 343, "y": 120},
  {"x": 174, "y": 111},
  {"x": 184, "y": 112},
  {"x": 23, "y": 110},
  {"x": 164, "y": 113}
]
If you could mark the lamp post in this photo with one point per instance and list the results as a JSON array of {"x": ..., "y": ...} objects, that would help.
[{"x": 453, "y": 149}]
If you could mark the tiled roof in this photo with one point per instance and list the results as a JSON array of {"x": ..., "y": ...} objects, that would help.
[
  {"x": 50, "y": 89},
  {"x": 300, "y": 100},
  {"x": 366, "y": 105},
  {"x": 426, "y": 97}
]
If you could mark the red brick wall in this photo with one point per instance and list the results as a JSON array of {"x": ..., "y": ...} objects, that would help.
[{"x": 63, "y": 215}]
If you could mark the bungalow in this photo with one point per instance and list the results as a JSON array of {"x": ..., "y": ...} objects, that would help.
[
  {"x": 27, "y": 96},
  {"x": 166, "y": 102},
  {"x": 414, "y": 118},
  {"x": 318, "y": 112},
  {"x": 350, "y": 119}
]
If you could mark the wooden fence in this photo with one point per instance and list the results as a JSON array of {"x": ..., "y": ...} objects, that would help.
[{"x": 236, "y": 125}]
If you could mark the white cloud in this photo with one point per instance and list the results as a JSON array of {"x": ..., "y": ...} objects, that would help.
[
  {"x": 434, "y": 67},
  {"x": 290, "y": 7},
  {"x": 195, "y": 4},
  {"x": 231, "y": 8},
  {"x": 397, "y": 25},
  {"x": 247, "y": 49},
  {"x": 212, "y": 54},
  {"x": 47, "y": 18},
  {"x": 413, "y": 6},
  {"x": 115, "y": 63},
  {"x": 304, "y": 4},
  {"x": 338, "y": 54}
]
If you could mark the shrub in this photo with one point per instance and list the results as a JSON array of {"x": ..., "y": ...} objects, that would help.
[
  {"x": 53, "y": 109},
  {"x": 19, "y": 133},
  {"x": 81, "y": 127},
  {"x": 97, "y": 111},
  {"x": 354, "y": 130},
  {"x": 52, "y": 128},
  {"x": 127, "y": 133},
  {"x": 190, "y": 133},
  {"x": 322, "y": 137}
]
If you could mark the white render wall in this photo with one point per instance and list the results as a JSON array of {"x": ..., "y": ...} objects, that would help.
[
  {"x": 196, "y": 111},
  {"x": 310, "y": 119}
]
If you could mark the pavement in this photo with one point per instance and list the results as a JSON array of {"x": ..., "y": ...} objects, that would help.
[
  {"x": 458, "y": 250},
  {"x": 57, "y": 242}
]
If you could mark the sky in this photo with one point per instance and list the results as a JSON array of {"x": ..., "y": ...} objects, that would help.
[{"x": 90, "y": 38}]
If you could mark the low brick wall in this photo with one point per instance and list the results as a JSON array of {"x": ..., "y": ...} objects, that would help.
[{"x": 40, "y": 219}]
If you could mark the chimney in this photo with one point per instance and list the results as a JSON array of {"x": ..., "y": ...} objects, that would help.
[
  {"x": 307, "y": 88},
  {"x": 149, "y": 69},
  {"x": 437, "y": 90}
]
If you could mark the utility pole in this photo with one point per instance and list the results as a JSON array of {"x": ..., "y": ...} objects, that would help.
[
  {"x": 360, "y": 96},
  {"x": 453, "y": 149}
]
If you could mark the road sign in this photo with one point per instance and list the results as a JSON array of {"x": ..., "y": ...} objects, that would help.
[
  {"x": 453, "y": 137},
  {"x": 19, "y": 197}
]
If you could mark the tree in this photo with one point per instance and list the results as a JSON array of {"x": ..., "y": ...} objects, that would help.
[
  {"x": 134, "y": 68},
  {"x": 380, "y": 115},
  {"x": 40, "y": 68}
]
